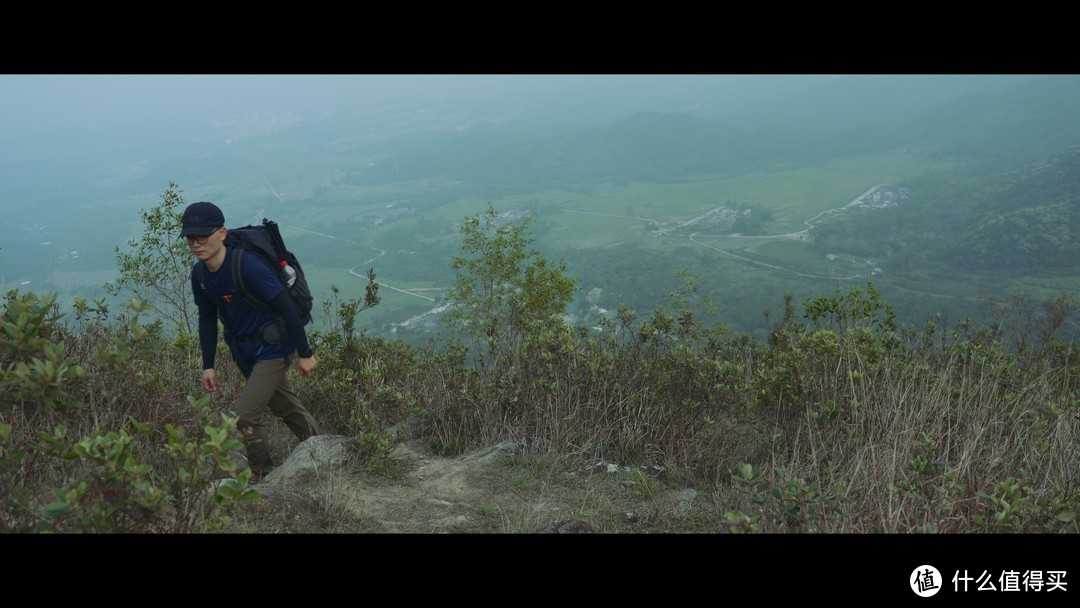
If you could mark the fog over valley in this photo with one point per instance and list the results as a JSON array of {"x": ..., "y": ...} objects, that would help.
[{"x": 940, "y": 189}]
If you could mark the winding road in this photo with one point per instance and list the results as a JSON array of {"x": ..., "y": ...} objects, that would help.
[{"x": 800, "y": 235}]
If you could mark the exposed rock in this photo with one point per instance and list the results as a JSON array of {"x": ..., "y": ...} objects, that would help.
[
  {"x": 684, "y": 500},
  {"x": 567, "y": 526},
  {"x": 314, "y": 456},
  {"x": 655, "y": 471}
]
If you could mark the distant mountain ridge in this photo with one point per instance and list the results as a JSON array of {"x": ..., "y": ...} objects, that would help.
[
  {"x": 889, "y": 100},
  {"x": 1017, "y": 126},
  {"x": 1016, "y": 221},
  {"x": 1032, "y": 120}
]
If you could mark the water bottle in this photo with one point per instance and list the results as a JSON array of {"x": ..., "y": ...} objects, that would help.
[{"x": 290, "y": 274}]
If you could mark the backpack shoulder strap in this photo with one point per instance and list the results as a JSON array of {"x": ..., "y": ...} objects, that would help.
[
  {"x": 240, "y": 285},
  {"x": 199, "y": 264}
]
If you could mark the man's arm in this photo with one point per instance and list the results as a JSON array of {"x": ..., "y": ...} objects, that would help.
[
  {"x": 208, "y": 335},
  {"x": 208, "y": 323}
]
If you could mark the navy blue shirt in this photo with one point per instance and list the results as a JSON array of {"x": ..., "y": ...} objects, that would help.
[{"x": 239, "y": 317}]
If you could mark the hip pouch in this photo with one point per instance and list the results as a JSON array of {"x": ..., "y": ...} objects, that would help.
[
  {"x": 240, "y": 348},
  {"x": 271, "y": 331}
]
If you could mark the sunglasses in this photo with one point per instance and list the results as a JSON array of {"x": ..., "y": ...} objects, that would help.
[{"x": 193, "y": 239}]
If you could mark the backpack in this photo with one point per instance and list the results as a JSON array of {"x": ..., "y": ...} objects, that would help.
[{"x": 265, "y": 241}]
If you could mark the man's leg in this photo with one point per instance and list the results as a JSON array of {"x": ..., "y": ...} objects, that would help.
[
  {"x": 285, "y": 404},
  {"x": 254, "y": 415}
]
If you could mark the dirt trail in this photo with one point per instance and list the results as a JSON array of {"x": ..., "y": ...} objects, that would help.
[
  {"x": 324, "y": 488},
  {"x": 427, "y": 493}
]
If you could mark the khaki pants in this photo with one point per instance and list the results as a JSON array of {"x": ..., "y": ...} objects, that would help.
[{"x": 268, "y": 391}]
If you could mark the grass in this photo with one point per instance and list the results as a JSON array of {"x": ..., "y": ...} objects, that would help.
[{"x": 834, "y": 425}]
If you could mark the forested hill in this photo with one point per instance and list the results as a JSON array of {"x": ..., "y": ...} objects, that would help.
[
  {"x": 646, "y": 146},
  {"x": 1022, "y": 219},
  {"x": 1025, "y": 219},
  {"x": 1018, "y": 126}
]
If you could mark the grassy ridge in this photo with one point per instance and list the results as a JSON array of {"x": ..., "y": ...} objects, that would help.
[{"x": 838, "y": 422}]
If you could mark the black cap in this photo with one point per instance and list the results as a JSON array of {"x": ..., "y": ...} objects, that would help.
[{"x": 201, "y": 219}]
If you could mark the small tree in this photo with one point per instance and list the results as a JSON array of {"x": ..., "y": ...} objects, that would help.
[
  {"x": 157, "y": 267},
  {"x": 503, "y": 290}
]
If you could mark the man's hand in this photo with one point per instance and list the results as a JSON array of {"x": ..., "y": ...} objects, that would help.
[
  {"x": 307, "y": 366},
  {"x": 209, "y": 380}
]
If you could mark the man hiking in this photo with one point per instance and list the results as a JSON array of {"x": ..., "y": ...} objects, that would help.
[{"x": 261, "y": 341}]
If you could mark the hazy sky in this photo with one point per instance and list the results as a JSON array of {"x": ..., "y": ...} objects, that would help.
[
  {"x": 37, "y": 103},
  {"x": 33, "y": 104}
]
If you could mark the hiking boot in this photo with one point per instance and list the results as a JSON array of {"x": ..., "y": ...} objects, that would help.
[{"x": 258, "y": 476}]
